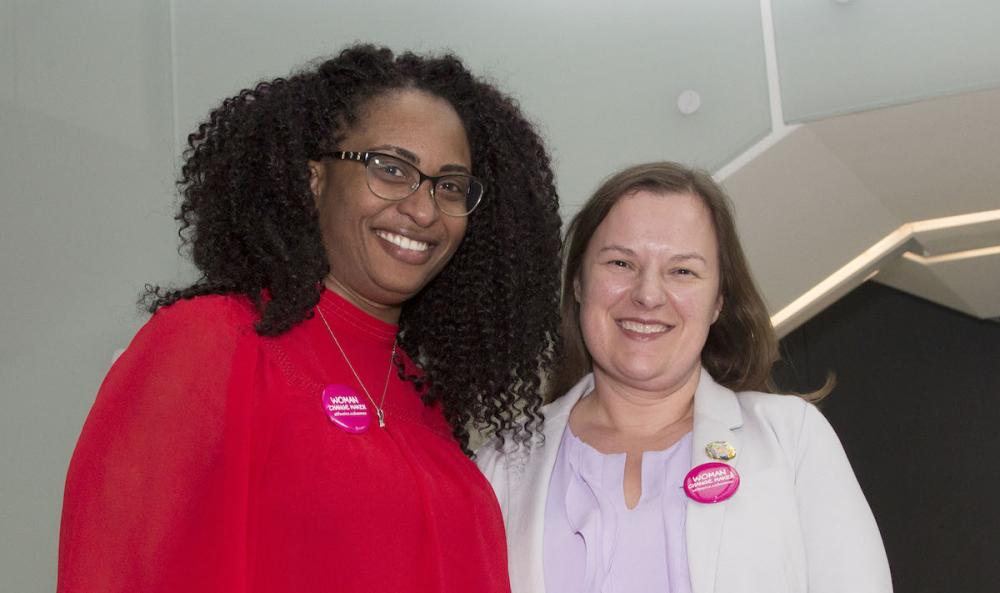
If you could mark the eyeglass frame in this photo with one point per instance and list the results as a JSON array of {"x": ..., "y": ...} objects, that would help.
[{"x": 364, "y": 157}]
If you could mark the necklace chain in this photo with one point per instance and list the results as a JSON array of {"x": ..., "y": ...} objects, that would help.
[{"x": 379, "y": 407}]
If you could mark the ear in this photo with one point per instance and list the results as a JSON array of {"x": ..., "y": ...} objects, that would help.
[
  {"x": 317, "y": 179},
  {"x": 718, "y": 309},
  {"x": 576, "y": 288}
]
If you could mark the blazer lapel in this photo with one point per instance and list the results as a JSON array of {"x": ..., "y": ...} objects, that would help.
[
  {"x": 529, "y": 479},
  {"x": 717, "y": 417}
]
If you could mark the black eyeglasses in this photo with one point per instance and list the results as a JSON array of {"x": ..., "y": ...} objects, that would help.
[{"x": 392, "y": 178}]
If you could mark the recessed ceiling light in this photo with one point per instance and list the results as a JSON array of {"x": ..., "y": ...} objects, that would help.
[{"x": 688, "y": 102}]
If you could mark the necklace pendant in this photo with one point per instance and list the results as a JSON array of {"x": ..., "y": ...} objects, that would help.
[{"x": 381, "y": 417}]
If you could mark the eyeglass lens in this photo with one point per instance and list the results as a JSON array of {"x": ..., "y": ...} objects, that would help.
[{"x": 395, "y": 179}]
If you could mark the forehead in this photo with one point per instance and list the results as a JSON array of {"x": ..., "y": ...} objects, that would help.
[
  {"x": 661, "y": 222},
  {"x": 412, "y": 119}
]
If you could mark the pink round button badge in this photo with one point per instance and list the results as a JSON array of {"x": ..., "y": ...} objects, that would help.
[
  {"x": 346, "y": 409},
  {"x": 711, "y": 482}
]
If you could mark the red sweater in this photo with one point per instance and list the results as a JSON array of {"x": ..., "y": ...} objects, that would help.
[{"x": 208, "y": 464}]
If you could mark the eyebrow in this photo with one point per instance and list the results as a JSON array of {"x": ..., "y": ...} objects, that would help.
[
  {"x": 613, "y": 247},
  {"x": 406, "y": 154},
  {"x": 687, "y": 256},
  {"x": 454, "y": 169},
  {"x": 413, "y": 158},
  {"x": 678, "y": 257}
]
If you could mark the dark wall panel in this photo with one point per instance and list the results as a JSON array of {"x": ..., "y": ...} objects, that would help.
[{"x": 917, "y": 406}]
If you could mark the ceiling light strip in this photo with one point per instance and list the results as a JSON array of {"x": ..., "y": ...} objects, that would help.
[
  {"x": 960, "y": 220},
  {"x": 927, "y": 260},
  {"x": 901, "y": 242},
  {"x": 839, "y": 283}
]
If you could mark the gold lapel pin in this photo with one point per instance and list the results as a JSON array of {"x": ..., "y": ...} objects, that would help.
[{"x": 720, "y": 450}]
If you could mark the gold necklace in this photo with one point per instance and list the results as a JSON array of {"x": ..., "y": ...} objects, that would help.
[{"x": 379, "y": 411}]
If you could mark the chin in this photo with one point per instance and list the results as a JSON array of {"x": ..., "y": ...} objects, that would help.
[
  {"x": 409, "y": 277},
  {"x": 640, "y": 377},
  {"x": 646, "y": 369},
  {"x": 400, "y": 292},
  {"x": 655, "y": 379}
]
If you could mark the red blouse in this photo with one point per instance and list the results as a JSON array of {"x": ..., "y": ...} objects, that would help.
[{"x": 208, "y": 464}]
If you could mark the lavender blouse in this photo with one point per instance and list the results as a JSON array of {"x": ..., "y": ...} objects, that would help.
[{"x": 593, "y": 543}]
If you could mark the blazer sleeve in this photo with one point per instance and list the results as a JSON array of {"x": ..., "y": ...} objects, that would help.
[
  {"x": 156, "y": 493},
  {"x": 844, "y": 550}
]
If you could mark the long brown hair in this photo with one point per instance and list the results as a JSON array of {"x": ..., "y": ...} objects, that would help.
[{"x": 741, "y": 347}]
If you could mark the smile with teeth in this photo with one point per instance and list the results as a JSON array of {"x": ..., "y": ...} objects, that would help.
[
  {"x": 643, "y": 328},
  {"x": 403, "y": 242}
]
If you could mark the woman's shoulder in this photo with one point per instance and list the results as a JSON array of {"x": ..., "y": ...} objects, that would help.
[
  {"x": 214, "y": 310},
  {"x": 506, "y": 460},
  {"x": 489, "y": 456},
  {"x": 513, "y": 457},
  {"x": 496, "y": 453},
  {"x": 791, "y": 419},
  {"x": 773, "y": 404},
  {"x": 210, "y": 327}
]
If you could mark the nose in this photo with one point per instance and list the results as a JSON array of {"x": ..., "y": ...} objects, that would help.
[
  {"x": 650, "y": 290},
  {"x": 419, "y": 205}
]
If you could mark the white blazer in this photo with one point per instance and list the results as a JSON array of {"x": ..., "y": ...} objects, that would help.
[{"x": 798, "y": 523}]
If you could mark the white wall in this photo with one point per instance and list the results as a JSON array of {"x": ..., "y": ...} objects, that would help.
[
  {"x": 601, "y": 78},
  {"x": 96, "y": 97},
  {"x": 86, "y": 199}
]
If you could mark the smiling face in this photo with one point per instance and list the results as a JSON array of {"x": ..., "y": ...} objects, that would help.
[
  {"x": 381, "y": 252},
  {"x": 648, "y": 290}
]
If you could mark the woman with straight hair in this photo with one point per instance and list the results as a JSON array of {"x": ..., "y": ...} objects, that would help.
[{"x": 667, "y": 465}]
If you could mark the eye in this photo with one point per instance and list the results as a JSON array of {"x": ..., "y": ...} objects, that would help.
[
  {"x": 452, "y": 188},
  {"x": 685, "y": 272},
  {"x": 388, "y": 169},
  {"x": 619, "y": 263}
]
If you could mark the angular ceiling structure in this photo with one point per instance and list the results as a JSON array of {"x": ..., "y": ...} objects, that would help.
[{"x": 908, "y": 195}]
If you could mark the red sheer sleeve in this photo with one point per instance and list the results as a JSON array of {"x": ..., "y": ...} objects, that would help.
[{"x": 156, "y": 494}]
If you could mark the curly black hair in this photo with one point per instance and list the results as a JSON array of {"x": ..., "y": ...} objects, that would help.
[{"x": 484, "y": 331}]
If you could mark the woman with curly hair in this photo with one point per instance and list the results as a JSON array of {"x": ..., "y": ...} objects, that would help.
[{"x": 378, "y": 239}]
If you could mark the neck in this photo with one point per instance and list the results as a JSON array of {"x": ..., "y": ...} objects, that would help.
[
  {"x": 624, "y": 409},
  {"x": 382, "y": 312}
]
